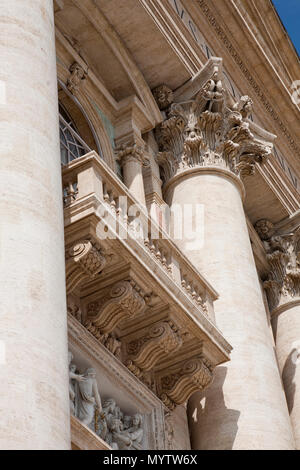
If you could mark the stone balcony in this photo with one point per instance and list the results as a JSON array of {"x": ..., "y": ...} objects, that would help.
[{"x": 133, "y": 289}]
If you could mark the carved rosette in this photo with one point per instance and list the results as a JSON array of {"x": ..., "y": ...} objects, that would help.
[
  {"x": 124, "y": 300},
  {"x": 132, "y": 153},
  {"x": 161, "y": 340},
  {"x": 283, "y": 254},
  {"x": 210, "y": 131},
  {"x": 84, "y": 261},
  {"x": 178, "y": 385}
]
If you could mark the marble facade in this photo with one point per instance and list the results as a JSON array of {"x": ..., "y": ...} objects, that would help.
[{"x": 119, "y": 329}]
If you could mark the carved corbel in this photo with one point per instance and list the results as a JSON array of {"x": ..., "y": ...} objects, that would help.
[
  {"x": 77, "y": 75},
  {"x": 83, "y": 262},
  {"x": 161, "y": 340},
  {"x": 180, "y": 382},
  {"x": 124, "y": 300}
]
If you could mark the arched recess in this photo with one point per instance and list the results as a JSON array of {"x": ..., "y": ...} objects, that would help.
[{"x": 86, "y": 119}]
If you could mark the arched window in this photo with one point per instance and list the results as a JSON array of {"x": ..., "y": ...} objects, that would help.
[
  {"x": 77, "y": 135},
  {"x": 71, "y": 144}
]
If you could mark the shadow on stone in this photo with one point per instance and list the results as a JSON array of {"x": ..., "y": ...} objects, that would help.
[
  {"x": 212, "y": 425},
  {"x": 288, "y": 374}
]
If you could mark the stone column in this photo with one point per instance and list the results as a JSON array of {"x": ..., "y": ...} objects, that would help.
[
  {"x": 34, "y": 403},
  {"x": 132, "y": 160},
  {"x": 207, "y": 145},
  {"x": 283, "y": 293}
]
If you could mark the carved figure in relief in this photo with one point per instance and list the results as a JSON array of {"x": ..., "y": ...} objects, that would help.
[
  {"x": 213, "y": 90},
  {"x": 127, "y": 438},
  {"x": 88, "y": 397},
  {"x": 77, "y": 74},
  {"x": 118, "y": 430},
  {"x": 72, "y": 378}
]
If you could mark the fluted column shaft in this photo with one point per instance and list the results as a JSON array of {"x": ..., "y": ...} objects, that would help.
[
  {"x": 283, "y": 292},
  {"x": 34, "y": 404},
  {"x": 245, "y": 407},
  {"x": 286, "y": 327}
]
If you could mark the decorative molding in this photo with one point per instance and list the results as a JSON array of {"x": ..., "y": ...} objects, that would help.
[
  {"x": 84, "y": 438},
  {"x": 283, "y": 254},
  {"x": 210, "y": 130},
  {"x": 77, "y": 75},
  {"x": 180, "y": 382},
  {"x": 124, "y": 300},
  {"x": 83, "y": 261},
  {"x": 238, "y": 60}
]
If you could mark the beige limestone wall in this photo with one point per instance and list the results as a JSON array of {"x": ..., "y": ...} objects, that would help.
[
  {"x": 34, "y": 405},
  {"x": 245, "y": 406},
  {"x": 286, "y": 326}
]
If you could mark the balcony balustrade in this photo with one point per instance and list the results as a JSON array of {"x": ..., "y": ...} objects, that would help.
[{"x": 134, "y": 290}]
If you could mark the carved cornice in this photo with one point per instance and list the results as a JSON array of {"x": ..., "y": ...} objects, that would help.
[
  {"x": 210, "y": 131},
  {"x": 83, "y": 261},
  {"x": 176, "y": 386},
  {"x": 238, "y": 60},
  {"x": 161, "y": 339},
  {"x": 133, "y": 153},
  {"x": 283, "y": 282},
  {"x": 123, "y": 300}
]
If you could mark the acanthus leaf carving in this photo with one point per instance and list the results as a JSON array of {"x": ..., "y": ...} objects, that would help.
[
  {"x": 210, "y": 130},
  {"x": 282, "y": 251},
  {"x": 134, "y": 153}
]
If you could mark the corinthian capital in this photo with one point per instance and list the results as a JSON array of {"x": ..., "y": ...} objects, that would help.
[
  {"x": 210, "y": 130},
  {"x": 133, "y": 153},
  {"x": 283, "y": 253}
]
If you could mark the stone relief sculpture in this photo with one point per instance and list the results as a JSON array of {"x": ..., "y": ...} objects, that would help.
[
  {"x": 88, "y": 397},
  {"x": 120, "y": 431}
]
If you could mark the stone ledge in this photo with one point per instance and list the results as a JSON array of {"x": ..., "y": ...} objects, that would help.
[{"x": 84, "y": 438}]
